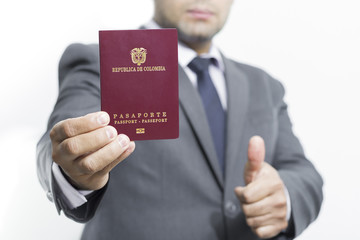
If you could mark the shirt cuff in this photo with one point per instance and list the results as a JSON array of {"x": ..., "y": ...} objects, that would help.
[
  {"x": 74, "y": 198},
  {"x": 288, "y": 204}
]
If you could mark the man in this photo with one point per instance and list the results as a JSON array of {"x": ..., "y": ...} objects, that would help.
[{"x": 207, "y": 184}]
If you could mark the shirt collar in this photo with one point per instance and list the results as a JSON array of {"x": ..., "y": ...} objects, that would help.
[{"x": 186, "y": 54}]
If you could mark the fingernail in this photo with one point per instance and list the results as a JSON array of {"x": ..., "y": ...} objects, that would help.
[
  {"x": 103, "y": 119},
  {"x": 123, "y": 140},
  {"x": 110, "y": 132}
]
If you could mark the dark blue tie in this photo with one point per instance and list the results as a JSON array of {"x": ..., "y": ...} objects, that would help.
[{"x": 213, "y": 108}]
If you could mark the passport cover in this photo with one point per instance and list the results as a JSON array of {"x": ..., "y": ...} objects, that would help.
[{"x": 139, "y": 82}]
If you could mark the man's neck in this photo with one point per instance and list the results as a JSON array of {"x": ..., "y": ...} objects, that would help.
[{"x": 199, "y": 48}]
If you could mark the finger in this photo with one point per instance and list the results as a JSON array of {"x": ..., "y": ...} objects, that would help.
[
  {"x": 269, "y": 231},
  {"x": 256, "y": 156},
  {"x": 99, "y": 179},
  {"x": 260, "y": 221},
  {"x": 239, "y": 192},
  {"x": 259, "y": 208},
  {"x": 74, "y": 126},
  {"x": 86, "y": 143},
  {"x": 253, "y": 192},
  {"x": 274, "y": 202},
  {"x": 246, "y": 195},
  {"x": 275, "y": 217},
  {"x": 100, "y": 159},
  {"x": 122, "y": 157},
  {"x": 258, "y": 190}
]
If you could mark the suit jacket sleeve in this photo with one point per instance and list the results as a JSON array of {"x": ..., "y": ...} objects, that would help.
[
  {"x": 79, "y": 94},
  {"x": 303, "y": 182}
]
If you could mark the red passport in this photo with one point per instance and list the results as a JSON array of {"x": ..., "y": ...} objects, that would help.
[{"x": 139, "y": 82}]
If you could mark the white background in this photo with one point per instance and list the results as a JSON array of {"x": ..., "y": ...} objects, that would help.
[{"x": 312, "y": 46}]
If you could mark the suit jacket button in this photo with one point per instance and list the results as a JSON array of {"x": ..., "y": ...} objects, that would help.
[
  {"x": 230, "y": 207},
  {"x": 49, "y": 196}
]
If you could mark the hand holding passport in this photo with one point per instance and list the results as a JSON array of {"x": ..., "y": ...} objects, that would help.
[
  {"x": 139, "y": 92},
  {"x": 139, "y": 82}
]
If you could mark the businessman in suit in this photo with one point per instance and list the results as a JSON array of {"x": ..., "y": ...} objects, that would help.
[{"x": 243, "y": 176}]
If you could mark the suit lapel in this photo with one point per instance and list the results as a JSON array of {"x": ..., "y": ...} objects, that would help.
[
  {"x": 238, "y": 100},
  {"x": 191, "y": 104}
]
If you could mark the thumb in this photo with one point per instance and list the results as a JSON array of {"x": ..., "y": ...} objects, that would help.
[{"x": 256, "y": 156}]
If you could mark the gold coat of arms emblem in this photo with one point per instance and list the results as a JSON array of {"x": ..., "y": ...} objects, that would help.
[{"x": 138, "y": 55}]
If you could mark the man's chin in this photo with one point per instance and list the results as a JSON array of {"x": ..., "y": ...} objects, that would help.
[{"x": 194, "y": 39}]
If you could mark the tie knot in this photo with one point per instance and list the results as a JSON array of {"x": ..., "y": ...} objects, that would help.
[{"x": 199, "y": 64}]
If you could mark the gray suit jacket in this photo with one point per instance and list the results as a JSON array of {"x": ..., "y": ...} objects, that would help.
[{"x": 174, "y": 189}]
